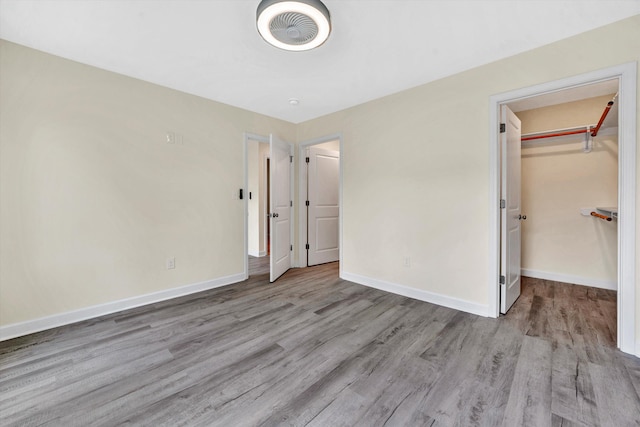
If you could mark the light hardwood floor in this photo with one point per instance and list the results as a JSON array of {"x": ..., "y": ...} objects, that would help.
[{"x": 312, "y": 349}]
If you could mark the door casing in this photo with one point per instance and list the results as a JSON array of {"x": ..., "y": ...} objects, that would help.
[{"x": 627, "y": 75}]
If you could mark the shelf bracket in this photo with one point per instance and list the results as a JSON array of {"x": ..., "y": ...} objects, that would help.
[{"x": 588, "y": 141}]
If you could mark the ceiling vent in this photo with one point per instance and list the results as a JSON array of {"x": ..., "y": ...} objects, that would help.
[{"x": 293, "y": 25}]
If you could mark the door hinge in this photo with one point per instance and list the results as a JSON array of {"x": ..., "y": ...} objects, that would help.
[
  {"x": 503, "y": 128},
  {"x": 503, "y": 203},
  {"x": 306, "y": 160},
  {"x": 290, "y": 159},
  {"x": 306, "y": 246},
  {"x": 291, "y": 203},
  {"x": 306, "y": 203},
  {"x": 502, "y": 280},
  {"x": 291, "y": 247}
]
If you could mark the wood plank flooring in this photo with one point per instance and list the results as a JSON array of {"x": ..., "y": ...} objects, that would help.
[
  {"x": 258, "y": 265},
  {"x": 312, "y": 349}
]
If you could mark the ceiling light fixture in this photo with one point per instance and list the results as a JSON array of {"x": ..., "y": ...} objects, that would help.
[{"x": 293, "y": 25}]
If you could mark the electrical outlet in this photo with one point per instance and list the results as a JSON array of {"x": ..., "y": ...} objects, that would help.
[
  {"x": 406, "y": 261},
  {"x": 171, "y": 263}
]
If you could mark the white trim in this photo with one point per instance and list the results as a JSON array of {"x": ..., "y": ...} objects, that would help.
[
  {"x": 246, "y": 136},
  {"x": 419, "y": 294},
  {"x": 627, "y": 75},
  {"x": 292, "y": 192},
  {"x": 568, "y": 278},
  {"x": 627, "y": 190},
  {"x": 24, "y": 328},
  {"x": 302, "y": 195}
]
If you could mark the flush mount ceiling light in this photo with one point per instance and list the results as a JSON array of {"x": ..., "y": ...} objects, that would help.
[{"x": 293, "y": 25}]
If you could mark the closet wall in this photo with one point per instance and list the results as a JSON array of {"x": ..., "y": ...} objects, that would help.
[{"x": 558, "y": 179}]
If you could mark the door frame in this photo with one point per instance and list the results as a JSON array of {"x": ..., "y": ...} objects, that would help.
[
  {"x": 627, "y": 75},
  {"x": 246, "y": 136},
  {"x": 302, "y": 197}
]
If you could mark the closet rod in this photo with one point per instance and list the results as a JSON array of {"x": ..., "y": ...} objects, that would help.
[
  {"x": 551, "y": 135},
  {"x": 593, "y": 132},
  {"x": 604, "y": 116},
  {"x": 597, "y": 215}
]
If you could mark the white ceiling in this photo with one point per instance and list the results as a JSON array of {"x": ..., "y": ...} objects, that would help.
[{"x": 211, "y": 48}]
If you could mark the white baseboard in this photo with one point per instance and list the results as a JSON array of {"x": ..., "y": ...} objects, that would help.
[
  {"x": 30, "y": 326},
  {"x": 419, "y": 294},
  {"x": 258, "y": 254},
  {"x": 567, "y": 278}
]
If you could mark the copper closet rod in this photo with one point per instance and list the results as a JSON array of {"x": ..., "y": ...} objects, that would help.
[
  {"x": 597, "y": 215},
  {"x": 594, "y": 132}
]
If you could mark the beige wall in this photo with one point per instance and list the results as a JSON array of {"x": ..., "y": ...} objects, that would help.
[
  {"x": 558, "y": 179},
  {"x": 93, "y": 199},
  {"x": 416, "y": 166}
]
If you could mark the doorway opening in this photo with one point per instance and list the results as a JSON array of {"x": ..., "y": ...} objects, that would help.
[
  {"x": 257, "y": 200},
  {"x": 624, "y": 240},
  {"x": 320, "y": 197},
  {"x": 268, "y": 167},
  {"x": 559, "y": 170}
]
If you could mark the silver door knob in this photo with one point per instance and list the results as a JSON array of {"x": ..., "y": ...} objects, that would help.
[{"x": 522, "y": 217}]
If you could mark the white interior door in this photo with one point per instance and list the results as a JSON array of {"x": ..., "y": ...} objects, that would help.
[
  {"x": 280, "y": 206},
  {"x": 323, "y": 211},
  {"x": 511, "y": 213}
]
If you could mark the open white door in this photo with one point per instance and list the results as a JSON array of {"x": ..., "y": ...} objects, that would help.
[
  {"x": 511, "y": 210},
  {"x": 280, "y": 206},
  {"x": 323, "y": 211}
]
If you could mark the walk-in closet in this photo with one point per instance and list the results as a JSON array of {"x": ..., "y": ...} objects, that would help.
[{"x": 570, "y": 187}]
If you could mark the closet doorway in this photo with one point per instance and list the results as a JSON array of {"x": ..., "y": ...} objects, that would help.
[
  {"x": 569, "y": 185},
  {"x": 565, "y": 178},
  {"x": 559, "y": 222}
]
